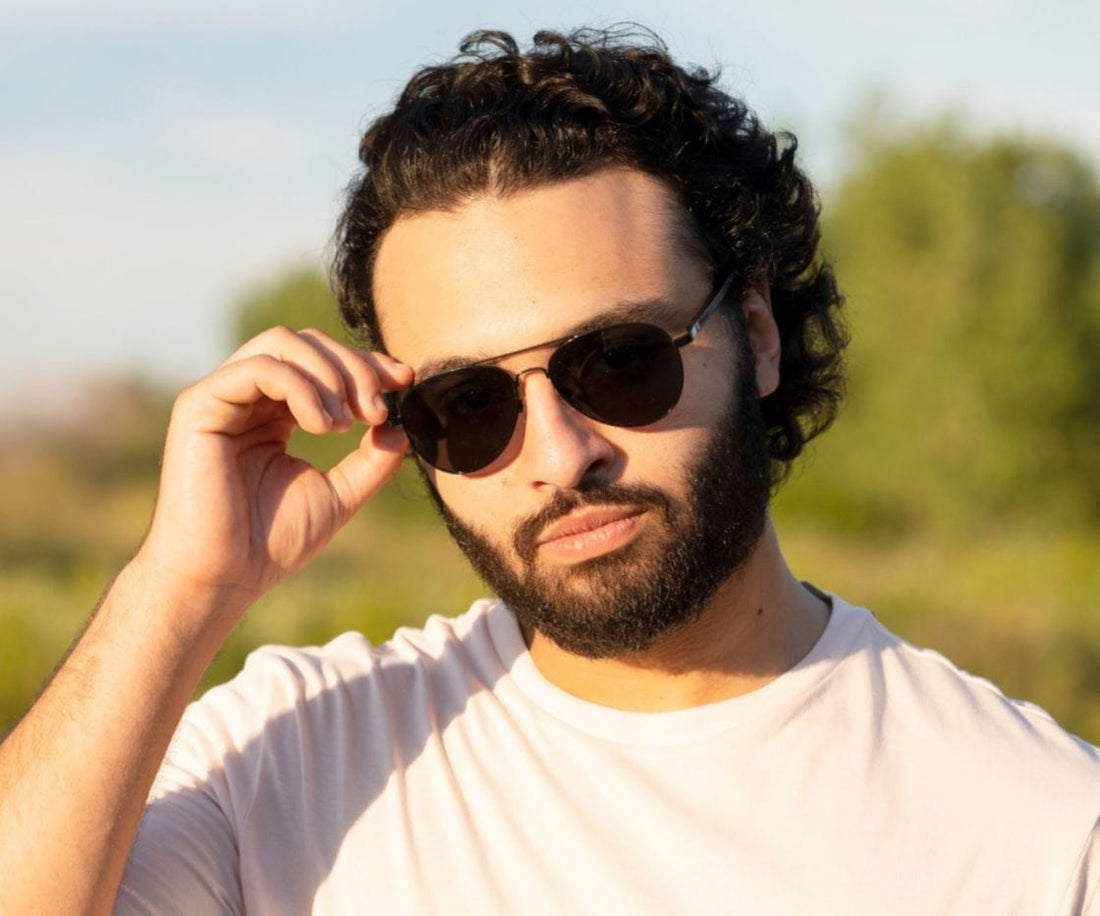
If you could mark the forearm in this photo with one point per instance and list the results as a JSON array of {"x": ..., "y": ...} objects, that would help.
[
  {"x": 235, "y": 515},
  {"x": 75, "y": 772}
]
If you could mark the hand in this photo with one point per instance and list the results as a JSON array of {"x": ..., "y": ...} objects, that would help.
[{"x": 235, "y": 513}]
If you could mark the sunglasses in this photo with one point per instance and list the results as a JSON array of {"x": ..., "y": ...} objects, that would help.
[{"x": 624, "y": 375}]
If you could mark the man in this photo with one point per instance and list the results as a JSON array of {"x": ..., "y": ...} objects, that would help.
[{"x": 592, "y": 283}]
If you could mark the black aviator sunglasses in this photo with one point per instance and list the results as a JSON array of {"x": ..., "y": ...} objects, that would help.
[{"x": 624, "y": 375}]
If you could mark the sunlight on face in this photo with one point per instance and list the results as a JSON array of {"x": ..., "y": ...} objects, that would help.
[{"x": 575, "y": 510}]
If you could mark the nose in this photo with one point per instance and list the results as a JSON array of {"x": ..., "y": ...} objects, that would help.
[{"x": 561, "y": 447}]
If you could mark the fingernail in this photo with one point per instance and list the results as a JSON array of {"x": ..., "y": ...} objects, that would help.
[{"x": 380, "y": 404}]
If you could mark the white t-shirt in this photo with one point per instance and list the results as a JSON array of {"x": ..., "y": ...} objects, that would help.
[{"x": 441, "y": 773}]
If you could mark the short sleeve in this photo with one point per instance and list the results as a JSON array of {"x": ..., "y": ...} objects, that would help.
[
  {"x": 1083, "y": 894},
  {"x": 184, "y": 860}
]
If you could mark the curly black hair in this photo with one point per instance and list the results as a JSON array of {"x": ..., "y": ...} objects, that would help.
[{"x": 501, "y": 120}]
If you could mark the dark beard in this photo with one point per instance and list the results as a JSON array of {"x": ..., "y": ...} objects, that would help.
[{"x": 625, "y": 601}]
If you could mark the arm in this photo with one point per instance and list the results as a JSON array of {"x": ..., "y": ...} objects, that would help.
[{"x": 235, "y": 515}]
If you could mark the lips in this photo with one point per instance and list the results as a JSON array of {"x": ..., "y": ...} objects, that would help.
[
  {"x": 587, "y": 520},
  {"x": 594, "y": 508},
  {"x": 589, "y": 533}
]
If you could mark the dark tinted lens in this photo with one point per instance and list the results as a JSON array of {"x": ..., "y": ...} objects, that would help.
[
  {"x": 461, "y": 421},
  {"x": 627, "y": 375}
]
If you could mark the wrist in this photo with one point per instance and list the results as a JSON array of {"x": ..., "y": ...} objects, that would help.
[{"x": 195, "y": 612}]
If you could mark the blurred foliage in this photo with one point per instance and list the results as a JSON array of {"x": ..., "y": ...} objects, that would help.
[
  {"x": 958, "y": 495},
  {"x": 972, "y": 273},
  {"x": 300, "y": 298}
]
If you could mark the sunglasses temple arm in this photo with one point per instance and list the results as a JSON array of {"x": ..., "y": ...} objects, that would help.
[
  {"x": 394, "y": 418},
  {"x": 697, "y": 325}
]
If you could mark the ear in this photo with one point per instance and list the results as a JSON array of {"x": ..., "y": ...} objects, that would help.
[{"x": 763, "y": 337}]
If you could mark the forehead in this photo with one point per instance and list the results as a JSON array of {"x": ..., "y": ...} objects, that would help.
[{"x": 499, "y": 273}]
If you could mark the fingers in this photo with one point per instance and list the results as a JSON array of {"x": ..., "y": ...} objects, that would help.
[
  {"x": 361, "y": 473},
  {"x": 231, "y": 399},
  {"x": 349, "y": 383},
  {"x": 363, "y": 376}
]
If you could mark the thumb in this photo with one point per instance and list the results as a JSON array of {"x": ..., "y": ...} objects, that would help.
[{"x": 362, "y": 473}]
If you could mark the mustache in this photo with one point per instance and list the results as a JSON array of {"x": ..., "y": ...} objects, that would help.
[{"x": 525, "y": 533}]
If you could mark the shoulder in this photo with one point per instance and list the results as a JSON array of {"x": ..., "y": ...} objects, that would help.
[
  {"x": 923, "y": 688},
  {"x": 958, "y": 734},
  {"x": 958, "y": 773},
  {"x": 272, "y": 769},
  {"x": 290, "y": 698},
  {"x": 292, "y": 674}
]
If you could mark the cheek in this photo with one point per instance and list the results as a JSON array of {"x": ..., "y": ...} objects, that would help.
[
  {"x": 710, "y": 388},
  {"x": 476, "y": 501}
]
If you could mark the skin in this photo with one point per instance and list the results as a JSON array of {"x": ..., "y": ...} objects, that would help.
[
  {"x": 235, "y": 515},
  {"x": 511, "y": 272}
]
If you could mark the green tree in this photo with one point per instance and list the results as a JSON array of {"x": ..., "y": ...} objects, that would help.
[
  {"x": 297, "y": 298},
  {"x": 972, "y": 273}
]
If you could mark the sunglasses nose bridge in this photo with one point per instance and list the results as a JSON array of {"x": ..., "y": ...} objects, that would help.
[
  {"x": 562, "y": 391},
  {"x": 543, "y": 369},
  {"x": 520, "y": 376}
]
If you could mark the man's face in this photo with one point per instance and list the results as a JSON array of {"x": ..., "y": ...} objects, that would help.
[{"x": 601, "y": 538}]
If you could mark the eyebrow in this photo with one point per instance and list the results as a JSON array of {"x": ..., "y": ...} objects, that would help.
[{"x": 651, "y": 311}]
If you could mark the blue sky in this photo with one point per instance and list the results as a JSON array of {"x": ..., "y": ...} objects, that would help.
[{"x": 156, "y": 159}]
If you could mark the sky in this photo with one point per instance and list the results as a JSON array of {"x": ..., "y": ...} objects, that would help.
[{"x": 158, "y": 160}]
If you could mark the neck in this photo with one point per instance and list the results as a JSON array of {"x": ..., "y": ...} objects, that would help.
[{"x": 760, "y": 623}]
